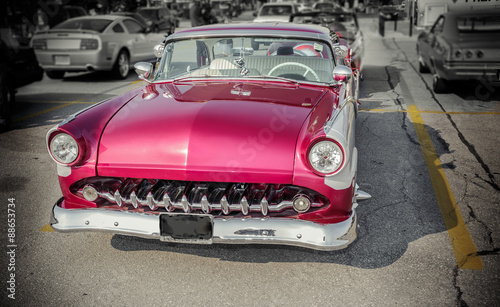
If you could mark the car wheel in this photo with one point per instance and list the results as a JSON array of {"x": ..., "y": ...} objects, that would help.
[
  {"x": 156, "y": 29},
  {"x": 122, "y": 65},
  {"x": 422, "y": 68},
  {"x": 421, "y": 65},
  {"x": 55, "y": 74},
  {"x": 439, "y": 85},
  {"x": 5, "y": 101}
]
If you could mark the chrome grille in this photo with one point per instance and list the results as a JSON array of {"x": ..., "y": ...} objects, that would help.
[{"x": 207, "y": 197}]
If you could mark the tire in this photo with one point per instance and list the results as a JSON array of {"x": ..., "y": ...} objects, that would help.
[
  {"x": 122, "y": 65},
  {"x": 156, "y": 29},
  {"x": 255, "y": 45},
  {"x": 439, "y": 85},
  {"x": 421, "y": 64},
  {"x": 5, "y": 102},
  {"x": 55, "y": 74},
  {"x": 422, "y": 68}
]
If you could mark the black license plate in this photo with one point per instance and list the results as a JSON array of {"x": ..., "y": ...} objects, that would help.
[{"x": 186, "y": 226}]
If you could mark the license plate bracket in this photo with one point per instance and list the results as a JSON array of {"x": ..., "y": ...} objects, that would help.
[
  {"x": 62, "y": 60},
  {"x": 196, "y": 228}
]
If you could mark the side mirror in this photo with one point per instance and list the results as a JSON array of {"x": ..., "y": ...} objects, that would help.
[
  {"x": 342, "y": 73},
  {"x": 144, "y": 70}
]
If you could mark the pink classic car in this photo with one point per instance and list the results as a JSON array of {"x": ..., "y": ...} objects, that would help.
[{"x": 223, "y": 144}]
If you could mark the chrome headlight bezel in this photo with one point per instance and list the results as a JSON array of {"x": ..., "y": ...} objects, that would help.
[
  {"x": 64, "y": 148},
  {"x": 325, "y": 157}
]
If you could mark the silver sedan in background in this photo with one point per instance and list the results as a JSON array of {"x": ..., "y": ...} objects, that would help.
[{"x": 94, "y": 43}]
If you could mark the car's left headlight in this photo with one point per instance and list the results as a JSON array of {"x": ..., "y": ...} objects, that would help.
[{"x": 326, "y": 157}]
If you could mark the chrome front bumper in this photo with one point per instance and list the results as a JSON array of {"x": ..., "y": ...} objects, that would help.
[{"x": 285, "y": 231}]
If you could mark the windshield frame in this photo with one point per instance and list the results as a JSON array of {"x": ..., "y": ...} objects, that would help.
[{"x": 327, "y": 46}]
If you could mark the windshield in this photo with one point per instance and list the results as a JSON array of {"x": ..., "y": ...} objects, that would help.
[
  {"x": 245, "y": 57},
  {"x": 477, "y": 24},
  {"x": 84, "y": 24}
]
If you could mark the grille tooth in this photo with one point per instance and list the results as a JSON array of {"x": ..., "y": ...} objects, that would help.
[
  {"x": 197, "y": 192},
  {"x": 128, "y": 186},
  {"x": 236, "y": 192},
  {"x": 244, "y": 205},
  {"x": 133, "y": 198},
  {"x": 176, "y": 191},
  {"x": 118, "y": 198},
  {"x": 216, "y": 194},
  {"x": 144, "y": 188},
  {"x": 256, "y": 194},
  {"x": 205, "y": 205},
  {"x": 224, "y": 204},
  {"x": 264, "y": 206},
  {"x": 166, "y": 203},
  {"x": 158, "y": 190},
  {"x": 185, "y": 204},
  {"x": 150, "y": 200}
]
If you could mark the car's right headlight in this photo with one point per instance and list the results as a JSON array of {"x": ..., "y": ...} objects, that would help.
[{"x": 64, "y": 148}]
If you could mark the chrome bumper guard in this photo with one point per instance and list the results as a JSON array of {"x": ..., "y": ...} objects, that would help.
[{"x": 285, "y": 231}]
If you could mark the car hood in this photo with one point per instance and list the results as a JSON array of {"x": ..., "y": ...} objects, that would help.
[{"x": 208, "y": 131}]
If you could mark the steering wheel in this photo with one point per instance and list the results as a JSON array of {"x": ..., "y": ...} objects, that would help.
[{"x": 307, "y": 68}]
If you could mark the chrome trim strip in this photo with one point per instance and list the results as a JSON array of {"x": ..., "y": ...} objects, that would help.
[{"x": 285, "y": 231}]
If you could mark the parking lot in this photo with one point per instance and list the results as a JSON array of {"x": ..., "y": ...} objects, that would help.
[{"x": 428, "y": 236}]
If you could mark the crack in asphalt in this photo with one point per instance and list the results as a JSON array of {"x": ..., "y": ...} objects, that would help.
[
  {"x": 494, "y": 251},
  {"x": 470, "y": 147},
  {"x": 472, "y": 214},
  {"x": 363, "y": 124},
  {"x": 489, "y": 233},
  {"x": 398, "y": 101},
  {"x": 460, "y": 300}
]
